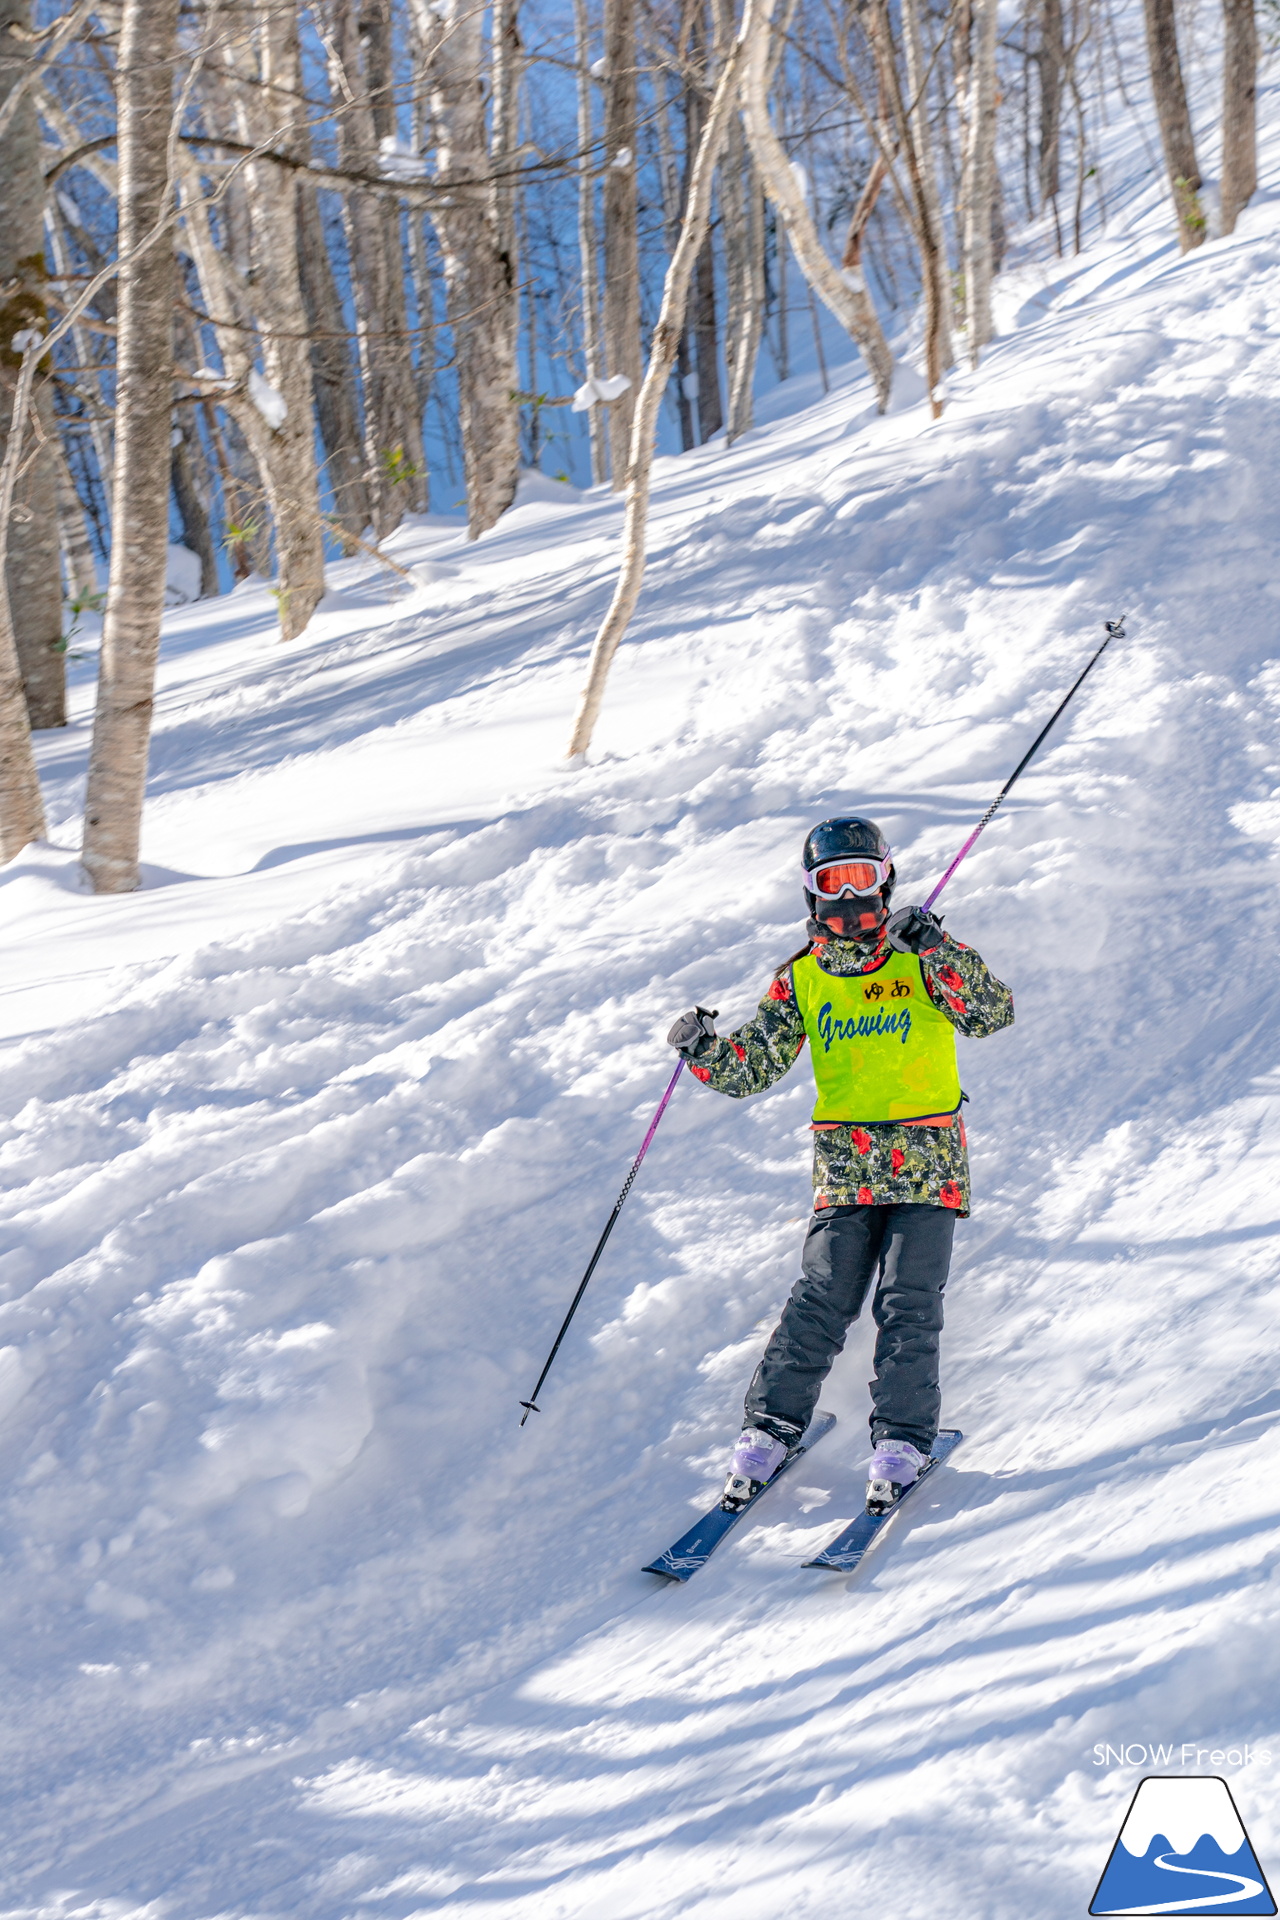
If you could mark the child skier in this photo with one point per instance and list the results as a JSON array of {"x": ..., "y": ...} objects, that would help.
[{"x": 879, "y": 998}]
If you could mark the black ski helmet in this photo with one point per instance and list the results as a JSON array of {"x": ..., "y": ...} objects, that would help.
[{"x": 849, "y": 838}]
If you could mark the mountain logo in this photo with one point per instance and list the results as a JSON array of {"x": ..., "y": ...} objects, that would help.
[{"x": 1182, "y": 1850}]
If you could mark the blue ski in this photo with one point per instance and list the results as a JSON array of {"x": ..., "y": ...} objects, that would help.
[
  {"x": 847, "y": 1549},
  {"x": 693, "y": 1549}
]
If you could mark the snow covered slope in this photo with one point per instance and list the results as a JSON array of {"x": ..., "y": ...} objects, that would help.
[{"x": 303, "y": 1151}]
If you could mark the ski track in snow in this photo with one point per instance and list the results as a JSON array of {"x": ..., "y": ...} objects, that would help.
[{"x": 304, "y": 1149}]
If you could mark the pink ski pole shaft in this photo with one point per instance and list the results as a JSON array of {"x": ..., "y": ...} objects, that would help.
[
  {"x": 1115, "y": 631},
  {"x": 531, "y": 1404}
]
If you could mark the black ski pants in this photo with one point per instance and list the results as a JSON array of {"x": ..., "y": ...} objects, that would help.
[{"x": 909, "y": 1250}]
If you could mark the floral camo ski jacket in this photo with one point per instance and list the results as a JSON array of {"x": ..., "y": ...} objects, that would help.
[{"x": 892, "y": 1163}]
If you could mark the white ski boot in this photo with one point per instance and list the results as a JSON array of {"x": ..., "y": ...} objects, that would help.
[
  {"x": 756, "y": 1458},
  {"x": 895, "y": 1466}
]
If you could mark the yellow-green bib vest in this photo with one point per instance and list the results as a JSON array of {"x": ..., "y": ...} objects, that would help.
[{"x": 881, "y": 1050}]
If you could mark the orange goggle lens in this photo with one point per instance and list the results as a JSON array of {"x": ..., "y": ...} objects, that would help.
[{"x": 863, "y": 876}]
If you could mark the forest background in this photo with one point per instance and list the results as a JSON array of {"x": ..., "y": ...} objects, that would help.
[{"x": 274, "y": 278}]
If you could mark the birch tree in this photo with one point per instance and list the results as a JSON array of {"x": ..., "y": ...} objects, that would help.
[
  {"x": 32, "y": 573},
  {"x": 420, "y": 278},
  {"x": 621, "y": 243},
  {"x": 742, "y": 205},
  {"x": 1175, "y": 121},
  {"x": 662, "y": 355},
  {"x": 894, "y": 129},
  {"x": 1239, "y": 108},
  {"x": 588, "y": 237},
  {"x": 286, "y": 449},
  {"x": 978, "y": 188},
  {"x": 1050, "y": 60},
  {"x": 704, "y": 326},
  {"x": 332, "y": 371},
  {"x": 276, "y": 424},
  {"x": 21, "y": 808},
  {"x": 926, "y": 163},
  {"x": 361, "y": 82},
  {"x": 843, "y": 292},
  {"x": 144, "y": 374},
  {"x": 673, "y": 198},
  {"x": 960, "y": 46},
  {"x": 471, "y": 219}
]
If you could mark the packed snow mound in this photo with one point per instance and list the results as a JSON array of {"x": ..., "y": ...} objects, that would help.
[
  {"x": 304, "y": 1151},
  {"x": 537, "y": 489},
  {"x": 182, "y": 576}
]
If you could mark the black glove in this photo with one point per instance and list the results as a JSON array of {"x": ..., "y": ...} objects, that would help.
[
  {"x": 693, "y": 1033},
  {"x": 912, "y": 930}
]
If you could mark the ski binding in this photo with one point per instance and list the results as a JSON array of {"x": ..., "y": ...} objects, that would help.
[
  {"x": 694, "y": 1548},
  {"x": 846, "y": 1550}
]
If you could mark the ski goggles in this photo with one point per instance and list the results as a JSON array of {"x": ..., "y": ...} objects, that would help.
[{"x": 838, "y": 877}]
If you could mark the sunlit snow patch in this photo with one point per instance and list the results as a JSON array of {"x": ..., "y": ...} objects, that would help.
[{"x": 1182, "y": 1850}]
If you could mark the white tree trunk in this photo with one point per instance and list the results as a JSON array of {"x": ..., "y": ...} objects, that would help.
[
  {"x": 745, "y": 329},
  {"x": 224, "y": 293},
  {"x": 362, "y": 83},
  {"x": 420, "y": 273},
  {"x": 506, "y": 68},
  {"x": 662, "y": 354},
  {"x": 1239, "y": 108},
  {"x": 261, "y": 84},
  {"x": 844, "y": 293},
  {"x": 980, "y": 180},
  {"x": 332, "y": 371},
  {"x": 33, "y": 574},
  {"x": 480, "y": 281},
  {"x": 1050, "y": 59},
  {"x": 21, "y": 809},
  {"x": 922, "y": 137},
  {"x": 1176, "y": 135},
  {"x": 621, "y": 244},
  {"x": 288, "y": 450},
  {"x": 915, "y": 202},
  {"x": 144, "y": 385},
  {"x": 588, "y": 239},
  {"x": 672, "y": 213},
  {"x": 742, "y": 212},
  {"x": 703, "y": 321}
]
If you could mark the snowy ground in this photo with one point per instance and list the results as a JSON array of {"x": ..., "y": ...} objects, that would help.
[{"x": 303, "y": 1150}]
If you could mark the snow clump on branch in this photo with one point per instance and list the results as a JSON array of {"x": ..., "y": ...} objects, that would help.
[
  {"x": 600, "y": 388},
  {"x": 398, "y": 160},
  {"x": 269, "y": 401}
]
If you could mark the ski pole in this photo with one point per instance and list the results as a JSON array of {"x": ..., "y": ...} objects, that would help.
[
  {"x": 531, "y": 1404},
  {"x": 1115, "y": 631}
]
